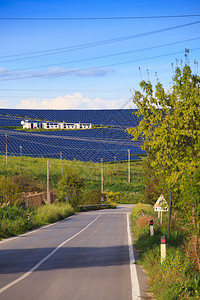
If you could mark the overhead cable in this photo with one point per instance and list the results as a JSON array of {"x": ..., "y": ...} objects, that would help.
[
  {"x": 95, "y": 44},
  {"x": 103, "y": 56},
  {"x": 96, "y": 18},
  {"x": 71, "y": 72}
]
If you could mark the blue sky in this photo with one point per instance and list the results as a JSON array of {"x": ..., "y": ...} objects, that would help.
[{"x": 91, "y": 63}]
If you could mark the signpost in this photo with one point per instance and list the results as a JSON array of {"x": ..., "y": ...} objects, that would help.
[
  {"x": 160, "y": 206},
  {"x": 67, "y": 199}
]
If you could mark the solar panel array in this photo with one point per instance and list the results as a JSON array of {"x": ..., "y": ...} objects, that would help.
[
  {"x": 115, "y": 117},
  {"x": 111, "y": 144}
]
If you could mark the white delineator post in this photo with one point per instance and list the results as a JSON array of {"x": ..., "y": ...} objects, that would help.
[
  {"x": 163, "y": 249},
  {"x": 151, "y": 228}
]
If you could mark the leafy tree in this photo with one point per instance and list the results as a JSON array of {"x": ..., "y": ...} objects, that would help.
[
  {"x": 170, "y": 130},
  {"x": 170, "y": 125},
  {"x": 70, "y": 184}
]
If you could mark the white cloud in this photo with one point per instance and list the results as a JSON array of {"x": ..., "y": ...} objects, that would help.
[
  {"x": 54, "y": 72},
  {"x": 5, "y": 104},
  {"x": 76, "y": 101}
]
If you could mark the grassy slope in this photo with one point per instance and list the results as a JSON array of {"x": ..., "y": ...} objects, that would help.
[{"x": 115, "y": 174}]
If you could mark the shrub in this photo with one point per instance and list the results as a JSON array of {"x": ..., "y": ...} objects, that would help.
[
  {"x": 13, "y": 221},
  {"x": 70, "y": 185},
  {"x": 91, "y": 197},
  {"x": 113, "y": 197},
  {"x": 9, "y": 190},
  {"x": 26, "y": 183}
]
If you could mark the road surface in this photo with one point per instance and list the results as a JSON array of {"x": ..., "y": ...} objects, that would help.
[{"x": 84, "y": 257}]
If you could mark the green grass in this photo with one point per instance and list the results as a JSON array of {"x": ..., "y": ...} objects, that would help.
[
  {"x": 15, "y": 220},
  {"x": 115, "y": 174},
  {"x": 176, "y": 278}
]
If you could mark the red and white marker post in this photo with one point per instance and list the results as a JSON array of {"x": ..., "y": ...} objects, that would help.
[
  {"x": 163, "y": 249},
  {"x": 151, "y": 228}
]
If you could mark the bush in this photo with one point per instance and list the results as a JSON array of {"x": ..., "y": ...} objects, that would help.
[
  {"x": 91, "y": 197},
  {"x": 13, "y": 221},
  {"x": 70, "y": 185},
  {"x": 9, "y": 190},
  {"x": 112, "y": 204},
  {"x": 114, "y": 197},
  {"x": 26, "y": 183}
]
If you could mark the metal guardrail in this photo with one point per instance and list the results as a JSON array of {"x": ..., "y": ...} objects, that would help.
[{"x": 95, "y": 206}]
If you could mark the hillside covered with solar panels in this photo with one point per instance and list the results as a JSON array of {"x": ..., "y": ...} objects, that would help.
[{"x": 106, "y": 140}]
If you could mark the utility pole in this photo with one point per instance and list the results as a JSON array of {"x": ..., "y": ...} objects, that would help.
[
  {"x": 170, "y": 209},
  {"x": 102, "y": 175},
  {"x": 48, "y": 198},
  {"x": 61, "y": 164},
  {"x": 6, "y": 150},
  {"x": 129, "y": 167}
]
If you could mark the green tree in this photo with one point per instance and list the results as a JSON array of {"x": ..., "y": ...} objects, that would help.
[
  {"x": 170, "y": 130},
  {"x": 70, "y": 184}
]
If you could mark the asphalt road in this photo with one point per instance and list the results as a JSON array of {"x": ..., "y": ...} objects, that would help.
[{"x": 86, "y": 256}]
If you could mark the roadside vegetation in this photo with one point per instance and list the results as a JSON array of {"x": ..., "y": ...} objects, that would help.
[
  {"x": 79, "y": 181},
  {"x": 170, "y": 130},
  {"x": 176, "y": 278},
  {"x": 17, "y": 220}
]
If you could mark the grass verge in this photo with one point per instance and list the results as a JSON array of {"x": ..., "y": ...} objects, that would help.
[
  {"x": 15, "y": 220},
  {"x": 176, "y": 278}
]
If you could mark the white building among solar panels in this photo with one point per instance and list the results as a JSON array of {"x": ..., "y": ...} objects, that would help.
[{"x": 54, "y": 125}]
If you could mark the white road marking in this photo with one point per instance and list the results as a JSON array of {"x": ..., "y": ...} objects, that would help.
[
  {"x": 44, "y": 259},
  {"x": 133, "y": 271}
]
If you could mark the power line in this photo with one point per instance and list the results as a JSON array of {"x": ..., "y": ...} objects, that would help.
[
  {"x": 71, "y": 72},
  {"x": 50, "y": 97},
  {"x": 94, "y": 44},
  {"x": 104, "y": 56},
  {"x": 95, "y": 18},
  {"x": 64, "y": 90}
]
